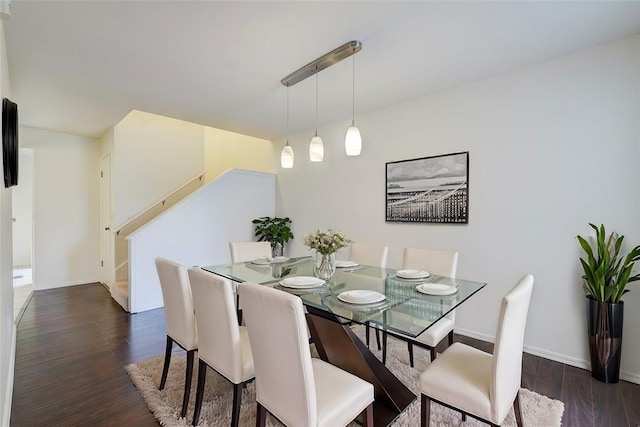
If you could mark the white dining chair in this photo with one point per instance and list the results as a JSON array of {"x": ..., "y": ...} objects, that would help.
[
  {"x": 440, "y": 263},
  {"x": 180, "y": 320},
  {"x": 374, "y": 255},
  {"x": 292, "y": 386},
  {"x": 365, "y": 254},
  {"x": 476, "y": 383},
  {"x": 247, "y": 251},
  {"x": 224, "y": 345}
]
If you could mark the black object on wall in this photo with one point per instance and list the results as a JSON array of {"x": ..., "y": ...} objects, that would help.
[{"x": 10, "y": 147}]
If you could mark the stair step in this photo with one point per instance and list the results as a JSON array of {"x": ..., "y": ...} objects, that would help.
[
  {"x": 120, "y": 293},
  {"x": 122, "y": 286}
]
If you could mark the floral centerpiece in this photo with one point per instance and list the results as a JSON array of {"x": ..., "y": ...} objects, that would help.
[{"x": 326, "y": 244}]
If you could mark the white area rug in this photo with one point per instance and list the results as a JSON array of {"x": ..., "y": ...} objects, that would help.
[{"x": 537, "y": 410}]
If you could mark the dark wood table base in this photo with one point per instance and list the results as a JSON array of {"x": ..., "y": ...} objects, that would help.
[{"x": 339, "y": 345}]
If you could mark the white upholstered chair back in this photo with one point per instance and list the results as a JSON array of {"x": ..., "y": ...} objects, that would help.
[
  {"x": 507, "y": 353},
  {"x": 178, "y": 303},
  {"x": 220, "y": 345},
  {"x": 285, "y": 383},
  {"x": 441, "y": 263},
  {"x": 373, "y": 255},
  {"x": 247, "y": 251}
]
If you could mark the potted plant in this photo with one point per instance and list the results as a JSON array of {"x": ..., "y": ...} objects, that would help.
[
  {"x": 606, "y": 276},
  {"x": 275, "y": 231}
]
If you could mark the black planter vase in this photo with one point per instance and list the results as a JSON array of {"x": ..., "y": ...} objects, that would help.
[{"x": 605, "y": 338}]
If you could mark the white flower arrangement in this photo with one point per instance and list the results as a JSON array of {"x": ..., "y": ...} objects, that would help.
[{"x": 326, "y": 242}]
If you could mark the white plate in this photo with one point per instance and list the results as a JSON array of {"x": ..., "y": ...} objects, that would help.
[
  {"x": 301, "y": 282},
  {"x": 436, "y": 289},
  {"x": 418, "y": 280},
  {"x": 412, "y": 274},
  {"x": 361, "y": 297},
  {"x": 345, "y": 264},
  {"x": 266, "y": 260}
]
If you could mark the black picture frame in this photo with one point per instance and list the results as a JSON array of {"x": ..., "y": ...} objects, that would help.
[
  {"x": 431, "y": 189},
  {"x": 10, "y": 146}
]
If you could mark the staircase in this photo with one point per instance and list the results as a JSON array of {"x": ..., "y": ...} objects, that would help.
[
  {"x": 120, "y": 288},
  {"x": 196, "y": 231}
]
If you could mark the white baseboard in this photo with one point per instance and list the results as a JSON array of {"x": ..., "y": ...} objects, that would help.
[
  {"x": 39, "y": 287},
  {"x": 6, "y": 414},
  {"x": 557, "y": 357},
  {"x": 474, "y": 334}
]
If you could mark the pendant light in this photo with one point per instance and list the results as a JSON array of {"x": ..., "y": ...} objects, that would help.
[
  {"x": 316, "y": 147},
  {"x": 287, "y": 157},
  {"x": 353, "y": 140}
]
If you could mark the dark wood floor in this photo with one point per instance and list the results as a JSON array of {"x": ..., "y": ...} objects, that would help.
[{"x": 72, "y": 344}]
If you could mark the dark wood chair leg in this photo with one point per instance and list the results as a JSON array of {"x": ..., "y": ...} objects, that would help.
[
  {"x": 202, "y": 376},
  {"x": 367, "y": 416},
  {"x": 238, "y": 310},
  {"x": 384, "y": 347},
  {"x": 187, "y": 382},
  {"x": 367, "y": 336},
  {"x": 261, "y": 415},
  {"x": 433, "y": 353},
  {"x": 451, "y": 337},
  {"x": 425, "y": 411},
  {"x": 167, "y": 361},
  {"x": 516, "y": 410},
  {"x": 378, "y": 338},
  {"x": 410, "y": 348},
  {"x": 237, "y": 399}
]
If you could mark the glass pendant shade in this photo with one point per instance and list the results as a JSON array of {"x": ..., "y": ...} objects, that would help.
[
  {"x": 353, "y": 141},
  {"x": 287, "y": 157},
  {"x": 316, "y": 149}
]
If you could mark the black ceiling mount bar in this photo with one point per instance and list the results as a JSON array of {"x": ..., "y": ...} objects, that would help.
[{"x": 325, "y": 61}]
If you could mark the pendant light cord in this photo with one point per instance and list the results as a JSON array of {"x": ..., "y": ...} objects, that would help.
[
  {"x": 316, "y": 101},
  {"x": 287, "y": 115},
  {"x": 353, "y": 86}
]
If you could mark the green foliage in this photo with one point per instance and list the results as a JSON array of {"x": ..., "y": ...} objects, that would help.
[
  {"x": 274, "y": 230},
  {"x": 606, "y": 271}
]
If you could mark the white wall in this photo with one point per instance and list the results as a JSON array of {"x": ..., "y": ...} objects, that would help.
[
  {"x": 552, "y": 147},
  {"x": 198, "y": 230},
  {"x": 152, "y": 156},
  {"x": 7, "y": 331},
  {"x": 66, "y": 248},
  {"x": 226, "y": 150}
]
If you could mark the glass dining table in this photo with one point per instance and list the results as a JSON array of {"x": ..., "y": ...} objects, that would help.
[{"x": 400, "y": 308}]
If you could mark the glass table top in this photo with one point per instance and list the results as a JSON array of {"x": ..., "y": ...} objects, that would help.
[{"x": 403, "y": 310}]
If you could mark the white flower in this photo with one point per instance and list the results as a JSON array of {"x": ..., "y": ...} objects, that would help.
[{"x": 326, "y": 242}]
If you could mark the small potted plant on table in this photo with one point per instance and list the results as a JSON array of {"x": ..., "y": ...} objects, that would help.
[
  {"x": 275, "y": 231},
  {"x": 606, "y": 275}
]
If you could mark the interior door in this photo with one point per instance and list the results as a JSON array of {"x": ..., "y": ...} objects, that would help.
[
  {"x": 22, "y": 208},
  {"x": 106, "y": 239}
]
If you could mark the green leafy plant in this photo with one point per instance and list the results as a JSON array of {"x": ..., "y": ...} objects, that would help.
[
  {"x": 273, "y": 230},
  {"x": 606, "y": 272}
]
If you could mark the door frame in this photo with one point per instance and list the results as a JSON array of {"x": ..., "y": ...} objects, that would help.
[{"x": 106, "y": 235}]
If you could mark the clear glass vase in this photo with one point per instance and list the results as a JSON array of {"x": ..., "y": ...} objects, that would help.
[
  {"x": 276, "y": 249},
  {"x": 325, "y": 266}
]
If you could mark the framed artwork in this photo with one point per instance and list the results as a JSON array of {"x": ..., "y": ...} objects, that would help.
[{"x": 429, "y": 189}]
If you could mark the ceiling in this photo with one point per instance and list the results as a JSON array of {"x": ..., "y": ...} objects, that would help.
[{"x": 81, "y": 66}]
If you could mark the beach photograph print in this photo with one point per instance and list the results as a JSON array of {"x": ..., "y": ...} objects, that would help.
[{"x": 430, "y": 189}]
